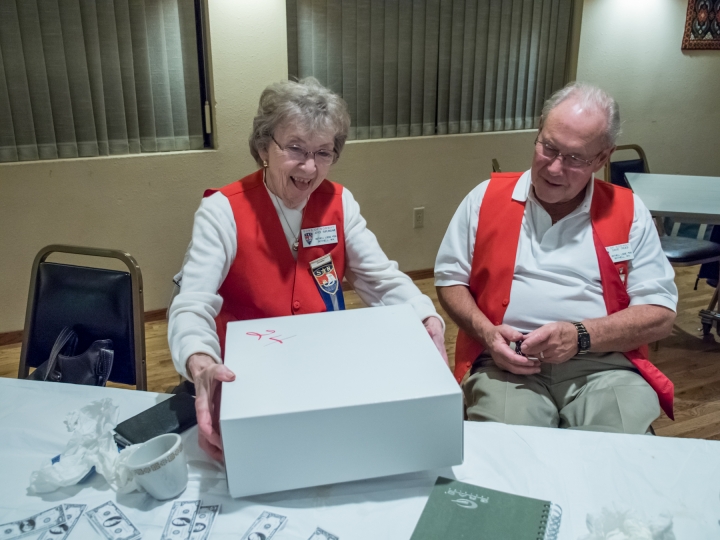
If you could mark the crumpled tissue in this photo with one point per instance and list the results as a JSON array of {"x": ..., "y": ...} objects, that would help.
[
  {"x": 628, "y": 525},
  {"x": 91, "y": 445}
]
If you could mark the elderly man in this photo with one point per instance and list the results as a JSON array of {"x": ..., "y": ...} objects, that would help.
[{"x": 557, "y": 282}]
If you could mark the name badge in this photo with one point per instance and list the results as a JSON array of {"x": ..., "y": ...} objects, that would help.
[
  {"x": 319, "y": 236},
  {"x": 620, "y": 253}
]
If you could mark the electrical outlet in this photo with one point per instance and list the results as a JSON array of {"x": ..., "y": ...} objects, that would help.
[{"x": 419, "y": 217}]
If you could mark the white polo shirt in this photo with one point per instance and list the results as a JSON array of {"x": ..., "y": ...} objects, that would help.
[{"x": 557, "y": 277}]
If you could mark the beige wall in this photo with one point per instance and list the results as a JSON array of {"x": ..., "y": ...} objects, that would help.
[
  {"x": 144, "y": 204},
  {"x": 668, "y": 97}
]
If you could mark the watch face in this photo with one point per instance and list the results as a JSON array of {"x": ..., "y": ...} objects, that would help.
[{"x": 584, "y": 341}]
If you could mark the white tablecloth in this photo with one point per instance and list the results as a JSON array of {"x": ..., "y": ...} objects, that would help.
[{"x": 583, "y": 472}]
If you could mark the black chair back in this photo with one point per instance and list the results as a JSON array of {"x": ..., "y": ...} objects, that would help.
[
  {"x": 97, "y": 303},
  {"x": 711, "y": 271},
  {"x": 615, "y": 170},
  {"x": 618, "y": 169}
]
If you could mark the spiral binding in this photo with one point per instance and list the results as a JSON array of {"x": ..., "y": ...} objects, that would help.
[
  {"x": 543, "y": 522},
  {"x": 550, "y": 524}
]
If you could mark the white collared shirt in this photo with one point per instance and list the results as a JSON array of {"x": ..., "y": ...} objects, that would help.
[
  {"x": 557, "y": 277},
  {"x": 212, "y": 250}
]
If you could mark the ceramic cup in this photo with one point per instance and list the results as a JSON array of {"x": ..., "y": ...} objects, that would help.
[{"x": 160, "y": 466}]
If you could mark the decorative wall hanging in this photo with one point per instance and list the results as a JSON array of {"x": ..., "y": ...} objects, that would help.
[{"x": 702, "y": 25}]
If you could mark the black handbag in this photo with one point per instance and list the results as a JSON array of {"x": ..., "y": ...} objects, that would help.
[{"x": 91, "y": 367}]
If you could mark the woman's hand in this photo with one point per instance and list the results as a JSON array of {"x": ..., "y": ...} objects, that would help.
[
  {"x": 435, "y": 329},
  {"x": 207, "y": 375}
]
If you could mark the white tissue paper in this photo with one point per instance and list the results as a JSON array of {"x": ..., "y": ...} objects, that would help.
[
  {"x": 91, "y": 445},
  {"x": 628, "y": 525}
]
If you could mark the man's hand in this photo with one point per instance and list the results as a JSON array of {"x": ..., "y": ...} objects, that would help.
[
  {"x": 207, "y": 376},
  {"x": 435, "y": 329},
  {"x": 497, "y": 340},
  {"x": 554, "y": 343}
]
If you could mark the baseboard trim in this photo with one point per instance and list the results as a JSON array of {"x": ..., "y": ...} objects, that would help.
[
  {"x": 421, "y": 274},
  {"x": 412, "y": 274},
  {"x": 13, "y": 338},
  {"x": 155, "y": 315}
]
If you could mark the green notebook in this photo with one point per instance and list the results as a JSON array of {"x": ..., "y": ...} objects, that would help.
[{"x": 460, "y": 511}]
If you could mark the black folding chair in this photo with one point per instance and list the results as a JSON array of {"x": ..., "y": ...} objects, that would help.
[
  {"x": 98, "y": 303},
  {"x": 615, "y": 170},
  {"x": 680, "y": 250}
]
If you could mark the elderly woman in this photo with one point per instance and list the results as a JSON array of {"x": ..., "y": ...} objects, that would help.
[{"x": 256, "y": 250}]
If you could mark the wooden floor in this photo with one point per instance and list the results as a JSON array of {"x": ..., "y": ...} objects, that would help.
[{"x": 692, "y": 364}]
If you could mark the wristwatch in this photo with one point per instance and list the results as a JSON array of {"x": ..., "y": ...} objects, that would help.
[{"x": 583, "y": 338}]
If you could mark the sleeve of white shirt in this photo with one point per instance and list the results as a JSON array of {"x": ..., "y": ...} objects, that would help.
[
  {"x": 375, "y": 278},
  {"x": 454, "y": 259},
  {"x": 651, "y": 278},
  {"x": 212, "y": 249}
]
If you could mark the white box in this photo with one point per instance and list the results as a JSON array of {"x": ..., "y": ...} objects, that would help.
[{"x": 334, "y": 397}]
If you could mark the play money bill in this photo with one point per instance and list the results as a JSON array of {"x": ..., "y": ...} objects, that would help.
[
  {"x": 180, "y": 521},
  {"x": 204, "y": 522},
  {"x": 34, "y": 524},
  {"x": 108, "y": 520},
  {"x": 62, "y": 531},
  {"x": 320, "y": 534},
  {"x": 265, "y": 526}
]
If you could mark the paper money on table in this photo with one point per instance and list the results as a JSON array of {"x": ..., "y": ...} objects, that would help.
[
  {"x": 34, "y": 524},
  {"x": 320, "y": 534},
  {"x": 62, "y": 531},
  {"x": 204, "y": 522},
  {"x": 179, "y": 523},
  {"x": 265, "y": 526},
  {"x": 108, "y": 520}
]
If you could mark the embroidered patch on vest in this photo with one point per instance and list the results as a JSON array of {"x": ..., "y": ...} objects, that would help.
[{"x": 328, "y": 283}]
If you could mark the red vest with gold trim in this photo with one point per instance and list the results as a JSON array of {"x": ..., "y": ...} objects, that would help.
[
  {"x": 264, "y": 280},
  {"x": 493, "y": 266}
]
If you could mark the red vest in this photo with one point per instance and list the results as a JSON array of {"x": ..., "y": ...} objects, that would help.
[
  {"x": 493, "y": 266},
  {"x": 264, "y": 280}
]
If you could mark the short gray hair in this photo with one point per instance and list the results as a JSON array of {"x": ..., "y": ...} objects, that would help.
[
  {"x": 305, "y": 103},
  {"x": 590, "y": 97}
]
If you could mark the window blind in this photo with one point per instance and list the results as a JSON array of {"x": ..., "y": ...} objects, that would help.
[
  {"x": 426, "y": 67},
  {"x": 83, "y": 78}
]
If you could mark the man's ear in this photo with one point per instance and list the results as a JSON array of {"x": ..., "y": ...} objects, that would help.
[{"x": 604, "y": 157}]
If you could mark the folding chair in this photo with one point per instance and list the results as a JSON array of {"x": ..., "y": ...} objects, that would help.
[
  {"x": 97, "y": 303},
  {"x": 615, "y": 170},
  {"x": 680, "y": 250}
]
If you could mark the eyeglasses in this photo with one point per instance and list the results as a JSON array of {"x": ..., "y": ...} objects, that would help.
[
  {"x": 570, "y": 161},
  {"x": 298, "y": 153}
]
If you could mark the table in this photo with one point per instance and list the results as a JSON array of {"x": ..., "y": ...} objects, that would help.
[
  {"x": 690, "y": 199},
  {"x": 581, "y": 471}
]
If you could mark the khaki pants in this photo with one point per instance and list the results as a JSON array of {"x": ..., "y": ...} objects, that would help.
[{"x": 596, "y": 392}]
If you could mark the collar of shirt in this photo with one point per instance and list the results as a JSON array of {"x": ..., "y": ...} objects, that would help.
[{"x": 538, "y": 216}]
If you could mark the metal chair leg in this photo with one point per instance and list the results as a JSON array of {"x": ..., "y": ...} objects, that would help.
[{"x": 714, "y": 299}]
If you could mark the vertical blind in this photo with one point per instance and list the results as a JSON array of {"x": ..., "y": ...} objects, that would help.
[
  {"x": 98, "y": 77},
  {"x": 426, "y": 67}
]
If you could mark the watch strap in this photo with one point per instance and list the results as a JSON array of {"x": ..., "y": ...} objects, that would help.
[{"x": 583, "y": 338}]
